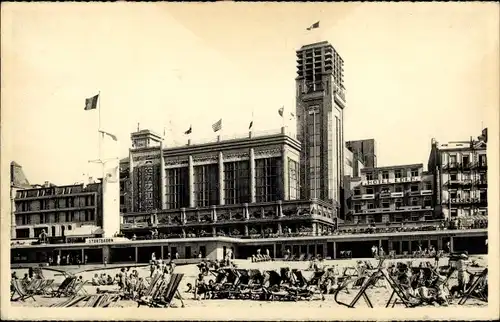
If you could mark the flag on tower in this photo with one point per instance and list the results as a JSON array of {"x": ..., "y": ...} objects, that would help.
[
  {"x": 281, "y": 110},
  {"x": 91, "y": 103},
  {"x": 251, "y": 124},
  {"x": 314, "y": 26},
  {"x": 217, "y": 125},
  {"x": 190, "y": 130},
  {"x": 112, "y": 136}
]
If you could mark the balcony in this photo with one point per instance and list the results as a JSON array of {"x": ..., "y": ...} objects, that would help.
[
  {"x": 466, "y": 182},
  {"x": 384, "y": 195},
  {"x": 414, "y": 193},
  {"x": 368, "y": 196},
  {"x": 482, "y": 183},
  {"x": 356, "y": 197},
  {"x": 425, "y": 192},
  {"x": 397, "y": 194},
  {"x": 453, "y": 183},
  {"x": 483, "y": 165},
  {"x": 231, "y": 214}
]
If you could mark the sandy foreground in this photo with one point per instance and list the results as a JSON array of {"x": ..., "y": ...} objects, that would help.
[{"x": 378, "y": 296}]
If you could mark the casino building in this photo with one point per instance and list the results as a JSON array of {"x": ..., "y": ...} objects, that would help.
[{"x": 244, "y": 188}]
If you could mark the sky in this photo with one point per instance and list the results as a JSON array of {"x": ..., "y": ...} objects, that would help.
[{"x": 413, "y": 72}]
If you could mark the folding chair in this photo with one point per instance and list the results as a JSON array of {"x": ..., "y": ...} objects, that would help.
[
  {"x": 20, "y": 289},
  {"x": 476, "y": 290}
]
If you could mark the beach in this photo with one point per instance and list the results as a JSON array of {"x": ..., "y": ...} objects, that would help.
[{"x": 377, "y": 295}]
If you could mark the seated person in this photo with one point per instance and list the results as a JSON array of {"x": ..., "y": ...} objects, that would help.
[
  {"x": 109, "y": 280},
  {"x": 95, "y": 280}
]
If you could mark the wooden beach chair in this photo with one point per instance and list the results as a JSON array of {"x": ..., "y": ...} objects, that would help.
[
  {"x": 19, "y": 288},
  {"x": 64, "y": 287},
  {"x": 478, "y": 288}
]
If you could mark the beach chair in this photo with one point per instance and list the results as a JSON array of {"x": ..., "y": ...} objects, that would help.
[
  {"x": 19, "y": 288},
  {"x": 66, "y": 284},
  {"x": 398, "y": 291},
  {"x": 478, "y": 288},
  {"x": 45, "y": 287},
  {"x": 70, "y": 302},
  {"x": 165, "y": 297}
]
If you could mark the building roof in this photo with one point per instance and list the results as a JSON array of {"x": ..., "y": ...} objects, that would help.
[
  {"x": 17, "y": 177},
  {"x": 391, "y": 167}
]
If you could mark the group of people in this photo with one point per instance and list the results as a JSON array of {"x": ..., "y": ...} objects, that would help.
[
  {"x": 67, "y": 260},
  {"x": 103, "y": 279}
]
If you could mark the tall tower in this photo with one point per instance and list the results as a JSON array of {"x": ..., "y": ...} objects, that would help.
[{"x": 320, "y": 121}]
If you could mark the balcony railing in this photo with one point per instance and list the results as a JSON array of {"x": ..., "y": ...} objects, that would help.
[
  {"x": 425, "y": 192},
  {"x": 482, "y": 183},
  {"x": 397, "y": 194},
  {"x": 385, "y": 195},
  {"x": 368, "y": 196},
  {"x": 265, "y": 212},
  {"x": 414, "y": 193}
]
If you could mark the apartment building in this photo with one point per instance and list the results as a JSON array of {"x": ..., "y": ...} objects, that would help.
[
  {"x": 460, "y": 169},
  {"x": 392, "y": 195}
]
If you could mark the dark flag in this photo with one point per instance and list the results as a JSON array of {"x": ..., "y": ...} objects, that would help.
[
  {"x": 190, "y": 130},
  {"x": 281, "y": 110},
  {"x": 91, "y": 103},
  {"x": 217, "y": 125},
  {"x": 112, "y": 136},
  {"x": 250, "y": 126},
  {"x": 314, "y": 26}
]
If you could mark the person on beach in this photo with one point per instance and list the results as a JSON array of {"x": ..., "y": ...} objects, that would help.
[
  {"x": 95, "y": 280},
  {"x": 58, "y": 260},
  {"x": 199, "y": 287}
]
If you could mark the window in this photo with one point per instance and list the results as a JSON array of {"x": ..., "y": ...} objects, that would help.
[
  {"x": 369, "y": 190},
  {"x": 385, "y": 175},
  {"x": 357, "y": 208},
  {"x": 465, "y": 160},
  {"x": 453, "y": 194},
  {"x": 293, "y": 179},
  {"x": 453, "y": 177},
  {"x": 427, "y": 185},
  {"x": 414, "y": 172},
  {"x": 399, "y": 203},
  {"x": 357, "y": 191},
  {"x": 427, "y": 201},
  {"x": 414, "y": 202},
  {"x": 314, "y": 151},
  {"x": 268, "y": 179},
  {"x": 369, "y": 176},
  {"x": 370, "y": 206},
  {"x": 206, "y": 185},
  {"x": 398, "y": 173},
  {"x": 482, "y": 159},
  {"x": 453, "y": 158},
  {"x": 414, "y": 187},
  {"x": 236, "y": 182},
  {"x": 385, "y": 189},
  {"x": 453, "y": 212},
  {"x": 385, "y": 203},
  {"x": 398, "y": 189},
  {"x": 177, "y": 188}
]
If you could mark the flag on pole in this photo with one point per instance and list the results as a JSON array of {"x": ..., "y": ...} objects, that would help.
[
  {"x": 217, "y": 126},
  {"x": 314, "y": 26},
  {"x": 281, "y": 110},
  {"x": 112, "y": 136},
  {"x": 292, "y": 116},
  {"x": 190, "y": 130},
  {"x": 91, "y": 103},
  {"x": 251, "y": 124}
]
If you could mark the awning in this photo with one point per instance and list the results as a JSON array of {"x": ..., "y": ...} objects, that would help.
[
  {"x": 477, "y": 217},
  {"x": 82, "y": 231}
]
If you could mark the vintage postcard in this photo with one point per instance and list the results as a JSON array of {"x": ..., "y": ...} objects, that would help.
[{"x": 250, "y": 161}]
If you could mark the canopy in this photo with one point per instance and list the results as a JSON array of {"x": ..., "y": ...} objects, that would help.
[{"x": 83, "y": 231}]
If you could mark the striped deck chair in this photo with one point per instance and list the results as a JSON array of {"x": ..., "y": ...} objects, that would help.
[
  {"x": 478, "y": 288},
  {"x": 401, "y": 296},
  {"x": 45, "y": 287},
  {"x": 76, "y": 288},
  {"x": 69, "y": 302},
  {"x": 64, "y": 287},
  {"x": 165, "y": 298},
  {"x": 19, "y": 288},
  {"x": 34, "y": 286}
]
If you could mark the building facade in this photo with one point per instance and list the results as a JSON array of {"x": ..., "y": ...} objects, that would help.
[
  {"x": 460, "y": 169},
  {"x": 364, "y": 150},
  {"x": 392, "y": 195},
  {"x": 246, "y": 187},
  {"x": 320, "y": 97},
  {"x": 58, "y": 210}
]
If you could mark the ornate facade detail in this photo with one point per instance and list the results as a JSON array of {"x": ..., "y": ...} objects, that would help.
[
  {"x": 206, "y": 159},
  {"x": 275, "y": 152}
]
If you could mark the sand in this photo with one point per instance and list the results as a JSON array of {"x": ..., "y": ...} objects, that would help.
[{"x": 378, "y": 296}]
